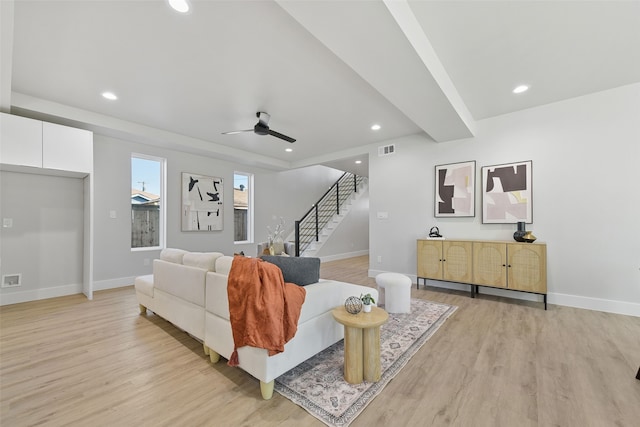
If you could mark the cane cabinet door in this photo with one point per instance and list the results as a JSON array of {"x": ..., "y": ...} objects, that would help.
[
  {"x": 527, "y": 267},
  {"x": 457, "y": 261},
  {"x": 490, "y": 264},
  {"x": 430, "y": 259}
]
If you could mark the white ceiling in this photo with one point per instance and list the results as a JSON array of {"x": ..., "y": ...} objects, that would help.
[{"x": 325, "y": 70}]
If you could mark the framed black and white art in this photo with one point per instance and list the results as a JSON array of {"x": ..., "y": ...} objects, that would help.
[
  {"x": 202, "y": 203},
  {"x": 507, "y": 193},
  {"x": 455, "y": 190}
]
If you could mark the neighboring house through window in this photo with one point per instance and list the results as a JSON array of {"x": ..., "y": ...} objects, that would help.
[
  {"x": 147, "y": 202},
  {"x": 243, "y": 207}
]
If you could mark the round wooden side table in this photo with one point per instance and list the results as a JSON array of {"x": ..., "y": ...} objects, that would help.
[{"x": 361, "y": 343}]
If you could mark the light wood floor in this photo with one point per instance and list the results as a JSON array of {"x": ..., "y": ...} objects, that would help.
[{"x": 495, "y": 362}]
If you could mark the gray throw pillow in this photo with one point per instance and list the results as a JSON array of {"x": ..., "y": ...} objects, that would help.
[{"x": 299, "y": 270}]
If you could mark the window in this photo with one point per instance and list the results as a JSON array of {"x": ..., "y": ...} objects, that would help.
[
  {"x": 243, "y": 207},
  {"x": 147, "y": 202}
]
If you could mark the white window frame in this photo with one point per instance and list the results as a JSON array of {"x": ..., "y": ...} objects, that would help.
[
  {"x": 250, "y": 204},
  {"x": 163, "y": 201}
]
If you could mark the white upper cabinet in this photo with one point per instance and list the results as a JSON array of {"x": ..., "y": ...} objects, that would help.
[
  {"x": 20, "y": 141},
  {"x": 28, "y": 142},
  {"x": 65, "y": 148}
]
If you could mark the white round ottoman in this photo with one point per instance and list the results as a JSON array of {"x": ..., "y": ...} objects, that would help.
[{"x": 394, "y": 291}]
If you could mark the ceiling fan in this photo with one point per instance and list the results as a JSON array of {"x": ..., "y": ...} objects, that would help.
[{"x": 262, "y": 128}]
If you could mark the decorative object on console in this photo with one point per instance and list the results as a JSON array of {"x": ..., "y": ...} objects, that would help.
[
  {"x": 455, "y": 190},
  {"x": 434, "y": 234},
  {"x": 353, "y": 305},
  {"x": 529, "y": 237},
  {"x": 367, "y": 299},
  {"x": 507, "y": 193},
  {"x": 202, "y": 203},
  {"x": 276, "y": 242},
  {"x": 519, "y": 234}
]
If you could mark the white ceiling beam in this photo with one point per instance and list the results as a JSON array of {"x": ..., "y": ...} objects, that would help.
[
  {"x": 6, "y": 53},
  {"x": 374, "y": 43},
  {"x": 404, "y": 16}
]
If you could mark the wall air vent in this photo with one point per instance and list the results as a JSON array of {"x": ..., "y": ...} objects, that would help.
[
  {"x": 386, "y": 150},
  {"x": 11, "y": 280}
]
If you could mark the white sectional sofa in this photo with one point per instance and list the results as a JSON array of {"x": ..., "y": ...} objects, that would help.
[
  {"x": 194, "y": 298},
  {"x": 176, "y": 289}
]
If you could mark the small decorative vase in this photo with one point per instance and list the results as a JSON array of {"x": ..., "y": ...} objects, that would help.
[
  {"x": 353, "y": 305},
  {"x": 278, "y": 245},
  {"x": 529, "y": 237},
  {"x": 366, "y": 308},
  {"x": 518, "y": 236}
]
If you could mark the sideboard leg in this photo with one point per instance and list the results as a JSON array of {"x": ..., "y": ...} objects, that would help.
[{"x": 545, "y": 302}]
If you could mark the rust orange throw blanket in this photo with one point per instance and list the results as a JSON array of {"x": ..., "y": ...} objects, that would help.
[{"x": 263, "y": 309}]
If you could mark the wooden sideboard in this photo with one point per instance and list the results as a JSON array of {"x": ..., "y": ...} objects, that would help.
[{"x": 498, "y": 264}]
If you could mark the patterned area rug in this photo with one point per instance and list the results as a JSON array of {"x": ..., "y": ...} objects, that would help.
[{"x": 318, "y": 384}]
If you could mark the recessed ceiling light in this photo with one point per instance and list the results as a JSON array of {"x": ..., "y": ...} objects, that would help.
[
  {"x": 375, "y": 127},
  {"x": 181, "y": 6},
  {"x": 110, "y": 96},
  {"x": 288, "y": 150},
  {"x": 521, "y": 88},
  {"x": 358, "y": 162}
]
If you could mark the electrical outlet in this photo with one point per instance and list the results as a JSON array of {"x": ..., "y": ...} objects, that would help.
[{"x": 379, "y": 258}]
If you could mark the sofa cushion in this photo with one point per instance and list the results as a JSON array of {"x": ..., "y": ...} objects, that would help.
[
  {"x": 204, "y": 260},
  {"x": 321, "y": 297},
  {"x": 172, "y": 255},
  {"x": 223, "y": 264},
  {"x": 182, "y": 281},
  {"x": 144, "y": 284},
  {"x": 299, "y": 270}
]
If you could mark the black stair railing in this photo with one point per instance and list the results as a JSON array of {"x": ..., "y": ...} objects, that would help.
[{"x": 307, "y": 229}]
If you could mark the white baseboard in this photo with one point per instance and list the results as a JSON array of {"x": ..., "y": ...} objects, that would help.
[
  {"x": 38, "y": 294},
  {"x": 598, "y": 304},
  {"x": 101, "y": 285},
  {"x": 344, "y": 256},
  {"x": 577, "y": 301}
]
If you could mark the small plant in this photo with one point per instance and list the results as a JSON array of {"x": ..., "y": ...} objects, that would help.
[{"x": 367, "y": 299}]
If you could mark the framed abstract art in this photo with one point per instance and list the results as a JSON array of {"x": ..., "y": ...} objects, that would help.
[
  {"x": 455, "y": 190},
  {"x": 507, "y": 193},
  {"x": 202, "y": 203}
]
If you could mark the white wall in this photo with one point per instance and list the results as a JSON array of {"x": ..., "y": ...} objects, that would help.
[
  {"x": 586, "y": 195},
  {"x": 351, "y": 236},
  {"x": 45, "y": 243},
  {"x": 287, "y": 194}
]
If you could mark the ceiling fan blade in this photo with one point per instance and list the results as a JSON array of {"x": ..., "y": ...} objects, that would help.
[
  {"x": 281, "y": 136},
  {"x": 233, "y": 132}
]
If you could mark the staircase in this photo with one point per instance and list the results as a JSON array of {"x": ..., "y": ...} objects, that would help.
[{"x": 319, "y": 223}]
